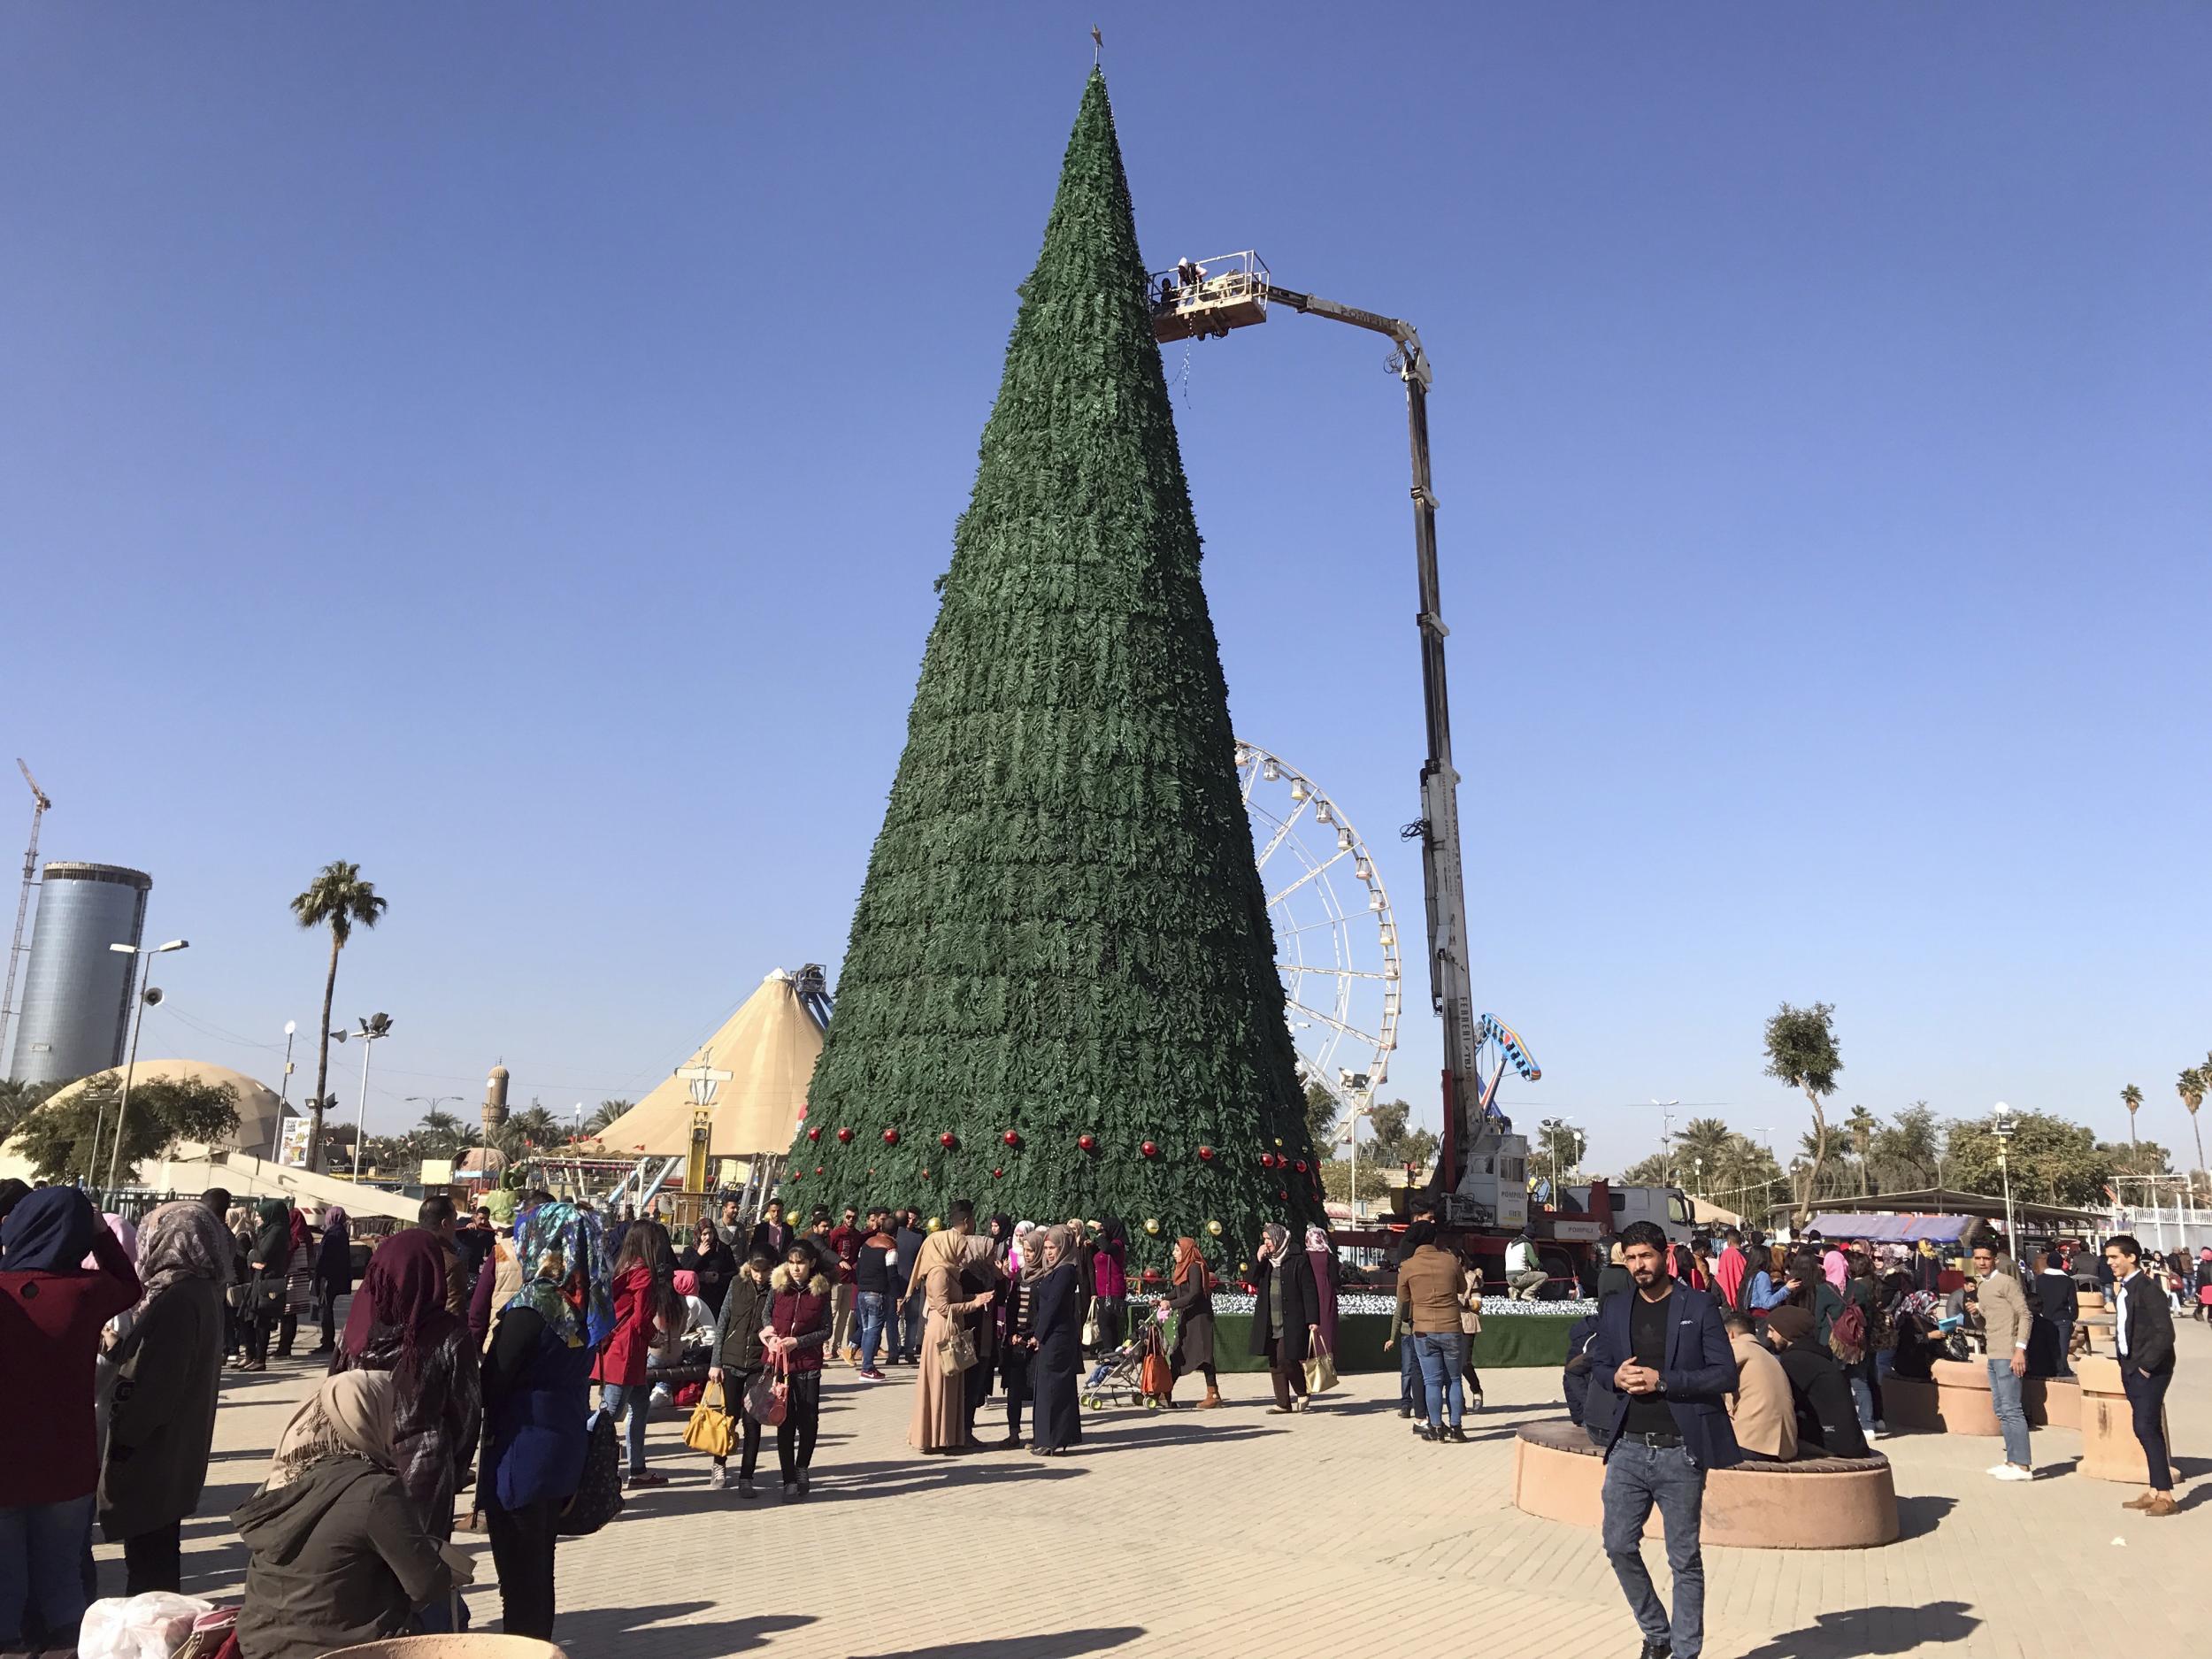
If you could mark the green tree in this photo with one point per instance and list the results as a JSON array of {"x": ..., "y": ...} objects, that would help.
[
  {"x": 18, "y": 1101},
  {"x": 1747, "y": 1179},
  {"x": 337, "y": 899},
  {"x": 2051, "y": 1161},
  {"x": 1862, "y": 1125},
  {"x": 1697, "y": 1152},
  {"x": 2192, "y": 1086},
  {"x": 1336, "y": 1180},
  {"x": 440, "y": 1134},
  {"x": 1801, "y": 1045},
  {"x": 2131, "y": 1097},
  {"x": 64, "y": 1140},
  {"x": 606, "y": 1112},
  {"x": 1396, "y": 1142},
  {"x": 1908, "y": 1152},
  {"x": 1062, "y": 931},
  {"x": 536, "y": 1125},
  {"x": 1321, "y": 1116},
  {"x": 1558, "y": 1146},
  {"x": 1651, "y": 1171}
]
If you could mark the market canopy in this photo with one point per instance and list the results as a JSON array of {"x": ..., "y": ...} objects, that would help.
[
  {"x": 768, "y": 1047},
  {"x": 1895, "y": 1229},
  {"x": 1848, "y": 1217}
]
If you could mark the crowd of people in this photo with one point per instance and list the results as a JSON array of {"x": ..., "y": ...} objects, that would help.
[{"x": 1699, "y": 1360}]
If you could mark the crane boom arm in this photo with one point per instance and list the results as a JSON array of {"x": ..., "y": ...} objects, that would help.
[{"x": 1443, "y": 877}]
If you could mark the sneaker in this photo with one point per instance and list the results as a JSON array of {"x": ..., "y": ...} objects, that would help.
[
  {"x": 803, "y": 1483},
  {"x": 745, "y": 1487},
  {"x": 869, "y": 1373},
  {"x": 1658, "y": 1650},
  {"x": 649, "y": 1479},
  {"x": 2012, "y": 1472},
  {"x": 717, "y": 1476}
]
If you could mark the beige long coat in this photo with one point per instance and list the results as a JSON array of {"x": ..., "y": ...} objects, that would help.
[{"x": 941, "y": 1404}]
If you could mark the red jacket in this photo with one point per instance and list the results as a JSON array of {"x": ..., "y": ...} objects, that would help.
[
  {"x": 800, "y": 1310},
  {"x": 622, "y": 1361},
  {"x": 845, "y": 1242},
  {"x": 50, "y": 1335}
]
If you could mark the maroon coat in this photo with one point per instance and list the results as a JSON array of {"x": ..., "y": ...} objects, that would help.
[
  {"x": 49, "y": 1336},
  {"x": 800, "y": 1310},
  {"x": 622, "y": 1361}
]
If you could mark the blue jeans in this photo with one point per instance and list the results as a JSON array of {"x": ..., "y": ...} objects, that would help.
[
  {"x": 613, "y": 1397},
  {"x": 1411, "y": 1395},
  {"x": 1439, "y": 1352},
  {"x": 916, "y": 1306},
  {"x": 2012, "y": 1416},
  {"x": 870, "y": 1305},
  {"x": 42, "y": 1554},
  {"x": 1638, "y": 1475}
]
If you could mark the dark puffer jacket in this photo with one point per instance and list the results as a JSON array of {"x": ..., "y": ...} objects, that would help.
[
  {"x": 440, "y": 1413},
  {"x": 340, "y": 1556}
]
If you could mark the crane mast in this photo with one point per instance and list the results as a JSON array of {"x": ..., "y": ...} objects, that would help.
[{"x": 39, "y": 803}]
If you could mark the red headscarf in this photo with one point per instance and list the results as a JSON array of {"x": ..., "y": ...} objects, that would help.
[
  {"x": 299, "y": 1231},
  {"x": 404, "y": 1288}
]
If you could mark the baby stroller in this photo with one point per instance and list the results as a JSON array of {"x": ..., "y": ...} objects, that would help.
[{"x": 1135, "y": 1373}]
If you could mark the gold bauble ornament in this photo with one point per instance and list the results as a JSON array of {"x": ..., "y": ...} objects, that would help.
[
  {"x": 1152, "y": 1224},
  {"x": 932, "y": 1225},
  {"x": 1214, "y": 1228}
]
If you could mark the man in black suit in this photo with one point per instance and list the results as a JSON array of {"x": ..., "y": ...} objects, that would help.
[
  {"x": 2143, "y": 1332},
  {"x": 1661, "y": 1370}
]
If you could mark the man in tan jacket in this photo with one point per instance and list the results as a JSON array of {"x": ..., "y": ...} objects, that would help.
[
  {"x": 2005, "y": 1323},
  {"x": 1763, "y": 1409}
]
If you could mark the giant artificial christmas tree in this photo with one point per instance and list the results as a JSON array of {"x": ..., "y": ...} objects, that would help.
[{"x": 1060, "y": 995}]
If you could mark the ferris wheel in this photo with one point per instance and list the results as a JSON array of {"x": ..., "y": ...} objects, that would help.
[{"x": 1336, "y": 941}]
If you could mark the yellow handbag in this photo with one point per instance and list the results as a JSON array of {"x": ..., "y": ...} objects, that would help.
[{"x": 710, "y": 1429}]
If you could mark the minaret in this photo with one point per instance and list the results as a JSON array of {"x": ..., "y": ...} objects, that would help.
[{"x": 495, "y": 1100}]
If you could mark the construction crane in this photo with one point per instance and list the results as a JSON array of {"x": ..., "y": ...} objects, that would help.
[
  {"x": 1199, "y": 298},
  {"x": 39, "y": 803}
]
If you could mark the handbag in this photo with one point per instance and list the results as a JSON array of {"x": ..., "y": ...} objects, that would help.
[
  {"x": 710, "y": 1429},
  {"x": 1089, "y": 1337},
  {"x": 261, "y": 1296},
  {"x": 1320, "y": 1369},
  {"x": 769, "y": 1397},
  {"x": 959, "y": 1353},
  {"x": 598, "y": 1497}
]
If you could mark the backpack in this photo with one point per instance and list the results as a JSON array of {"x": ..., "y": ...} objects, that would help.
[
  {"x": 1847, "y": 1334},
  {"x": 598, "y": 1498}
]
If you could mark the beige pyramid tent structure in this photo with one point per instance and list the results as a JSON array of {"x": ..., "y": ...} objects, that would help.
[{"x": 768, "y": 1047}]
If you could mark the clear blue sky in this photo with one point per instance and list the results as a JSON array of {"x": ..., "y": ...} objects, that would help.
[{"x": 511, "y": 446}]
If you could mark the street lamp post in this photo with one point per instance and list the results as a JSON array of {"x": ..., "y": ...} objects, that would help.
[
  {"x": 284, "y": 1083},
  {"x": 138, "y": 1020},
  {"x": 1666, "y": 1135},
  {"x": 2002, "y": 1128},
  {"x": 373, "y": 1029}
]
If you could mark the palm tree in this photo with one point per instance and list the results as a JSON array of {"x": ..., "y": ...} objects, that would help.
[
  {"x": 536, "y": 1125},
  {"x": 1863, "y": 1124},
  {"x": 2192, "y": 1086},
  {"x": 609, "y": 1110},
  {"x": 2131, "y": 1097},
  {"x": 336, "y": 899}
]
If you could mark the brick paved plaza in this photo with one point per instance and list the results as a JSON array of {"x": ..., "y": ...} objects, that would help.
[{"x": 1233, "y": 1532}]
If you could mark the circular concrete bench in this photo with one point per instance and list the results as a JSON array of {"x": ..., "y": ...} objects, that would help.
[
  {"x": 1957, "y": 1401},
  {"x": 1816, "y": 1503}
]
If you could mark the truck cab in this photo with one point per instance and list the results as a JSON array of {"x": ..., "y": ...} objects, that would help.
[{"x": 1667, "y": 1206}]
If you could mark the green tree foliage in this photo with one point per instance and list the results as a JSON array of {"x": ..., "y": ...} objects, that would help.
[
  {"x": 1556, "y": 1146},
  {"x": 538, "y": 1126},
  {"x": 2131, "y": 1097},
  {"x": 336, "y": 899},
  {"x": 1062, "y": 931},
  {"x": 606, "y": 1112},
  {"x": 1321, "y": 1115},
  {"x": 64, "y": 1140},
  {"x": 1336, "y": 1178},
  {"x": 2052, "y": 1160},
  {"x": 2192, "y": 1086},
  {"x": 1907, "y": 1152},
  {"x": 1800, "y": 1046},
  {"x": 18, "y": 1101},
  {"x": 1395, "y": 1140}
]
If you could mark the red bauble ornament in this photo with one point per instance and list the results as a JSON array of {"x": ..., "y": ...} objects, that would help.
[
  {"x": 1267, "y": 1160},
  {"x": 1089, "y": 1142},
  {"x": 890, "y": 1137},
  {"x": 998, "y": 1175},
  {"x": 814, "y": 1134},
  {"x": 1206, "y": 1153},
  {"x": 845, "y": 1135},
  {"x": 817, "y": 1169},
  {"x": 1280, "y": 1194},
  {"x": 1012, "y": 1138},
  {"x": 1150, "y": 1148},
  {"x": 1300, "y": 1166},
  {"x": 946, "y": 1140}
]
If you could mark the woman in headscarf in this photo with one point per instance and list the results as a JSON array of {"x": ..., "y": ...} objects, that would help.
[
  {"x": 1024, "y": 1256},
  {"x": 51, "y": 1312},
  {"x": 333, "y": 1272},
  {"x": 1190, "y": 1298},
  {"x": 646, "y": 1306},
  {"x": 537, "y": 1400},
  {"x": 711, "y": 1262},
  {"x": 166, "y": 1373},
  {"x": 299, "y": 1282},
  {"x": 736, "y": 1358},
  {"x": 398, "y": 1323},
  {"x": 940, "y": 1423},
  {"x": 268, "y": 1280},
  {"x": 1110, "y": 1282},
  {"x": 340, "y": 1555},
  {"x": 1283, "y": 1317},
  {"x": 1056, "y": 1317},
  {"x": 13, "y": 1192},
  {"x": 798, "y": 1327},
  {"x": 1322, "y": 1254}
]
